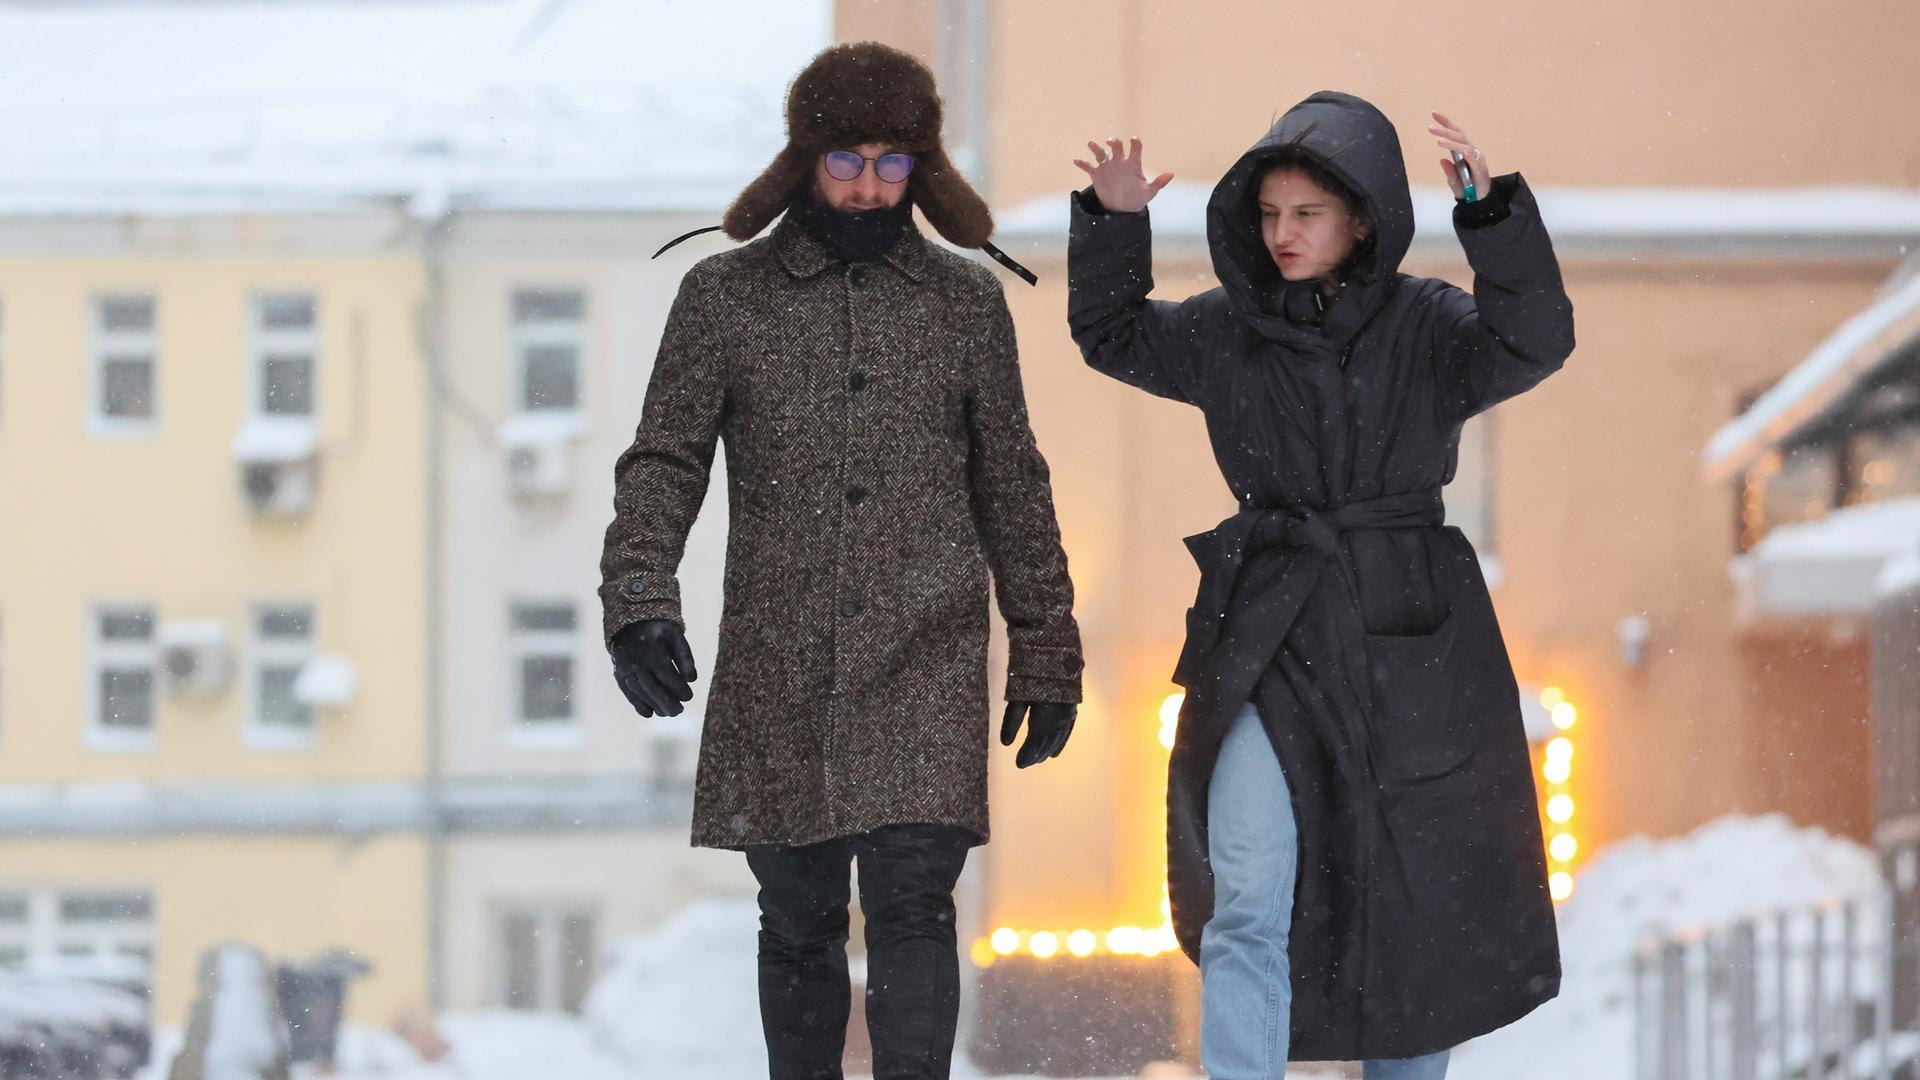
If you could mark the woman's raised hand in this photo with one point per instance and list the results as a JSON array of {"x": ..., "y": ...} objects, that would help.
[
  {"x": 1118, "y": 179},
  {"x": 1450, "y": 137}
]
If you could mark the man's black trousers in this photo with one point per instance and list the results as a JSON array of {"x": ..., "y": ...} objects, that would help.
[{"x": 907, "y": 875}]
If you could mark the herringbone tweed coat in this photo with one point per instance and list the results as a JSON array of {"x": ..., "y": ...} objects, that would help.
[{"x": 879, "y": 461}]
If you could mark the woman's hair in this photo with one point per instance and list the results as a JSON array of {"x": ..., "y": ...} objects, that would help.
[{"x": 1300, "y": 159}]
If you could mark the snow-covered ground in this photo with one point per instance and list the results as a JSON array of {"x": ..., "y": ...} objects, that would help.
[{"x": 680, "y": 1002}]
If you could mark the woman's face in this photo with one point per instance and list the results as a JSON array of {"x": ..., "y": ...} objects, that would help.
[{"x": 1306, "y": 228}]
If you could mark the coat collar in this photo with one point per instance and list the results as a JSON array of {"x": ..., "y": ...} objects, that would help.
[{"x": 803, "y": 256}]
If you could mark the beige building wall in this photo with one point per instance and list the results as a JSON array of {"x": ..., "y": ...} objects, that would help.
[
  {"x": 501, "y": 546},
  {"x": 160, "y": 517}
]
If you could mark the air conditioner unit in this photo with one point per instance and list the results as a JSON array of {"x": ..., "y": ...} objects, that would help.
[
  {"x": 539, "y": 450},
  {"x": 277, "y": 458},
  {"x": 280, "y": 489},
  {"x": 194, "y": 657},
  {"x": 538, "y": 469}
]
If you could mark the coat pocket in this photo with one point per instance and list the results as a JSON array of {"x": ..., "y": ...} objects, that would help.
[{"x": 1419, "y": 731}]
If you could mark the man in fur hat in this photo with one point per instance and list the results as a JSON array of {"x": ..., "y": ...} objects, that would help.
[{"x": 879, "y": 464}]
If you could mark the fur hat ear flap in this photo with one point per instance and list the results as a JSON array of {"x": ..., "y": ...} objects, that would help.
[
  {"x": 763, "y": 200},
  {"x": 948, "y": 202}
]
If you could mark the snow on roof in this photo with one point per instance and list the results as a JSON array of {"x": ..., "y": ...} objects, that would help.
[
  {"x": 1858, "y": 347},
  {"x": 247, "y": 104},
  {"x": 1881, "y": 217}
]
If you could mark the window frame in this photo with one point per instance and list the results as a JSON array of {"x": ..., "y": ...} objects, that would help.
[
  {"x": 548, "y": 918},
  {"x": 281, "y": 652},
  {"x": 524, "y": 334},
  {"x": 524, "y": 644},
  {"x": 262, "y": 342},
  {"x": 101, "y": 653},
  {"x": 101, "y": 342}
]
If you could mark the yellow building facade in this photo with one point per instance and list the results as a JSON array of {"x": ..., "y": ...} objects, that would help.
[{"x": 212, "y": 714}]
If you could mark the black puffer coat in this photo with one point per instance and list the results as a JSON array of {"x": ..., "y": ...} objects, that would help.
[{"x": 1338, "y": 601}]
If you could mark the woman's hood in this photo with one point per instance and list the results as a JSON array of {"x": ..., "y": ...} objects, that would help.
[{"x": 1354, "y": 140}]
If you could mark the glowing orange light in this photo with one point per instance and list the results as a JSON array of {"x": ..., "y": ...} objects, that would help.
[
  {"x": 1560, "y": 885},
  {"x": 1563, "y": 848}
]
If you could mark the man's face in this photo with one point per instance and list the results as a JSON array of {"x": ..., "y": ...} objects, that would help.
[{"x": 864, "y": 192}]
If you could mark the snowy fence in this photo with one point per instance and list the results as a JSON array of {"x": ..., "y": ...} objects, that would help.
[{"x": 1808, "y": 995}]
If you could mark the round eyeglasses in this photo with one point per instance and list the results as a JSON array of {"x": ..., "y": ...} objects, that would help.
[{"x": 847, "y": 165}]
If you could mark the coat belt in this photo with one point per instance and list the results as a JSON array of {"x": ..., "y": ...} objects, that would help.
[{"x": 1240, "y": 610}]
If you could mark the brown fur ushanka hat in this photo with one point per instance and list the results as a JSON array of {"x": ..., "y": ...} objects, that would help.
[{"x": 857, "y": 93}]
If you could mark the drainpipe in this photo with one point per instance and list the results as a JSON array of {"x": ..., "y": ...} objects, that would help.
[{"x": 432, "y": 210}]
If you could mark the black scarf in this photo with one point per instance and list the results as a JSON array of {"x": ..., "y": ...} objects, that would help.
[{"x": 854, "y": 238}]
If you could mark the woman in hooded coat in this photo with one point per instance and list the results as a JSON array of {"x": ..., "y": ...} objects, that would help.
[{"x": 1354, "y": 851}]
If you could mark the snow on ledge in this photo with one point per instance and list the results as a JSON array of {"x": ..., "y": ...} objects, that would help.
[
  {"x": 1834, "y": 566},
  {"x": 544, "y": 427},
  {"x": 1579, "y": 213},
  {"x": 327, "y": 681},
  {"x": 276, "y": 440}
]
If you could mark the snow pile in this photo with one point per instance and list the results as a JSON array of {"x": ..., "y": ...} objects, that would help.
[
  {"x": 59, "y": 1010},
  {"x": 247, "y": 1036},
  {"x": 682, "y": 1001},
  {"x": 1640, "y": 889}
]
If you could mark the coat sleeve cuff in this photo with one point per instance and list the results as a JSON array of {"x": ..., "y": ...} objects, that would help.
[
  {"x": 1059, "y": 691},
  {"x": 1492, "y": 209},
  {"x": 636, "y": 598},
  {"x": 1044, "y": 673}
]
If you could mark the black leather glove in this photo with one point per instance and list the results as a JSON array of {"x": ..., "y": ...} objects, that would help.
[
  {"x": 653, "y": 665},
  {"x": 1052, "y": 722}
]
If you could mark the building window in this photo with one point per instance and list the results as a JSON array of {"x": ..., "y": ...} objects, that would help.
[
  {"x": 1883, "y": 464},
  {"x": 285, "y": 354},
  {"x": 544, "y": 646},
  {"x": 80, "y": 930},
  {"x": 549, "y": 342},
  {"x": 547, "y": 959},
  {"x": 125, "y": 364},
  {"x": 126, "y": 665},
  {"x": 1785, "y": 486},
  {"x": 283, "y": 643}
]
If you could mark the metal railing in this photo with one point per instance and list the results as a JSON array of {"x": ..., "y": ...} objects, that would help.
[{"x": 1796, "y": 995}]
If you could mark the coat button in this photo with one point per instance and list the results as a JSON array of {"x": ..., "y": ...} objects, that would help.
[
  {"x": 849, "y": 607},
  {"x": 858, "y": 381},
  {"x": 855, "y": 494},
  {"x": 637, "y": 587}
]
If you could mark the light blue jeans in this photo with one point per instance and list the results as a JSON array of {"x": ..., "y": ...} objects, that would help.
[{"x": 1246, "y": 992}]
